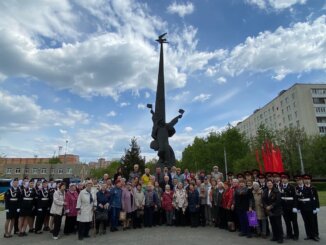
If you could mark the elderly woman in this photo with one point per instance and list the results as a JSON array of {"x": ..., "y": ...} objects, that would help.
[
  {"x": 259, "y": 208},
  {"x": 180, "y": 203},
  {"x": 167, "y": 199},
  {"x": 128, "y": 205},
  {"x": 70, "y": 210},
  {"x": 57, "y": 209},
  {"x": 103, "y": 198},
  {"x": 273, "y": 208},
  {"x": 158, "y": 212},
  {"x": 86, "y": 204},
  {"x": 150, "y": 205},
  {"x": 227, "y": 201},
  {"x": 139, "y": 205},
  {"x": 243, "y": 202},
  {"x": 193, "y": 205}
]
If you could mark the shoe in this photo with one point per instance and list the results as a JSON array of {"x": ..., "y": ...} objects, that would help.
[
  {"x": 280, "y": 241},
  {"x": 104, "y": 232},
  {"x": 315, "y": 239},
  {"x": 38, "y": 232},
  {"x": 55, "y": 238},
  {"x": 7, "y": 236},
  {"x": 295, "y": 238},
  {"x": 46, "y": 228},
  {"x": 273, "y": 239},
  {"x": 97, "y": 231},
  {"x": 263, "y": 236},
  {"x": 249, "y": 236},
  {"x": 307, "y": 238},
  {"x": 21, "y": 234},
  {"x": 242, "y": 234},
  {"x": 31, "y": 231},
  {"x": 80, "y": 238}
]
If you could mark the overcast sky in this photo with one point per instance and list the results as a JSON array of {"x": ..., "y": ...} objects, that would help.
[{"x": 83, "y": 71}]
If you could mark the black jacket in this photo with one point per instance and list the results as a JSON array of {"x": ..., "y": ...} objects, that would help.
[{"x": 272, "y": 199}]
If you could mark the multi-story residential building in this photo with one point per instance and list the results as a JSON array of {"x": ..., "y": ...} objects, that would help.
[
  {"x": 302, "y": 105},
  {"x": 101, "y": 163}
]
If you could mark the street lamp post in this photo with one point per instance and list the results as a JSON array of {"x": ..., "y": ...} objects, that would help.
[
  {"x": 301, "y": 161},
  {"x": 66, "y": 151}
]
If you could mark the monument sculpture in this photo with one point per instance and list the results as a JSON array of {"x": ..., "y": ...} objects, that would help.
[{"x": 161, "y": 130}]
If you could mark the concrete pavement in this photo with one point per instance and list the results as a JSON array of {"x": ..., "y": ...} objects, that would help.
[{"x": 162, "y": 235}]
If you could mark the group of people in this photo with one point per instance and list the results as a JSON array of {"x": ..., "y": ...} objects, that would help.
[{"x": 251, "y": 203}]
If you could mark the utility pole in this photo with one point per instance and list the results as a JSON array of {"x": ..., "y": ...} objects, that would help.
[
  {"x": 226, "y": 163},
  {"x": 301, "y": 161}
]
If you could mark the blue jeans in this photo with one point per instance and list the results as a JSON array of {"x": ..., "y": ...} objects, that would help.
[{"x": 115, "y": 212}]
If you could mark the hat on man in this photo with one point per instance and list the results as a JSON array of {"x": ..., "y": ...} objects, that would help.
[
  {"x": 240, "y": 175},
  {"x": 255, "y": 171},
  {"x": 261, "y": 176},
  {"x": 285, "y": 176},
  {"x": 297, "y": 177},
  {"x": 15, "y": 179},
  {"x": 306, "y": 176},
  {"x": 230, "y": 174},
  {"x": 215, "y": 167}
]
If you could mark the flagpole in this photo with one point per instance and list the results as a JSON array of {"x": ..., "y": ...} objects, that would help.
[{"x": 226, "y": 163}]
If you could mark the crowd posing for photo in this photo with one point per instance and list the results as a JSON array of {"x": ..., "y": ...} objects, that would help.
[{"x": 251, "y": 203}]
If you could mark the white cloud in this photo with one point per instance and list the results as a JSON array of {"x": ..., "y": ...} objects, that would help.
[
  {"x": 221, "y": 80},
  {"x": 111, "y": 114},
  {"x": 22, "y": 113},
  {"x": 62, "y": 131},
  {"x": 181, "y": 9},
  {"x": 124, "y": 104},
  {"x": 147, "y": 95},
  {"x": 141, "y": 106},
  {"x": 202, "y": 97},
  {"x": 299, "y": 48},
  {"x": 188, "y": 129},
  {"x": 225, "y": 97},
  {"x": 105, "y": 62},
  {"x": 275, "y": 4}
]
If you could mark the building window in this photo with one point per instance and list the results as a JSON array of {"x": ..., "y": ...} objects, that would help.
[
  {"x": 69, "y": 170},
  {"x": 26, "y": 170},
  {"x": 290, "y": 117},
  {"x": 318, "y": 100},
  {"x": 43, "y": 171},
  {"x": 294, "y": 104},
  {"x": 52, "y": 171},
  {"x": 8, "y": 171},
  {"x": 293, "y": 96},
  {"x": 60, "y": 171},
  {"x": 17, "y": 171},
  {"x": 286, "y": 100},
  {"x": 318, "y": 91},
  {"x": 34, "y": 170},
  {"x": 281, "y": 103},
  {"x": 320, "y": 109},
  {"x": 321, "y": 119},
  {"x": 298, "y": 124},
  {"x": 322, "y": 130},
  {"x": 296, "y": 114}
]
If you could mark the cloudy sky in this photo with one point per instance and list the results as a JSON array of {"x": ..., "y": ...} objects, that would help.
[{"x": 83, "y": 71}]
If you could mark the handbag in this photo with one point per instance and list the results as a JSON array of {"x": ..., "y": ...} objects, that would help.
[
  {"x": 252, "y": 218},
  {"x": 122, "y": 216},
  {"x": 101, "y": 215},
  {"x": 139, "y": 213}
]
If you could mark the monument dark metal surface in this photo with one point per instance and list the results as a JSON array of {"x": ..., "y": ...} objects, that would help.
[{"x": 161, "y": 130}]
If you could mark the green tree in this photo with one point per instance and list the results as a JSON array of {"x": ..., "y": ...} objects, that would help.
[
  {"x": 55, "y": 160},
  {"x": 132, "y": 156}
]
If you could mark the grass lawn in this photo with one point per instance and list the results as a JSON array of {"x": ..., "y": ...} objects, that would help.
[{"x": 322, "y": 198}]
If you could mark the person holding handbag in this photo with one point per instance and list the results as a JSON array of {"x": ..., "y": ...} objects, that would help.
[
  {"x": 128, "y": 205},
  {"x": 101, "y": 214},
  {"x": 57, "y": 208},
  {"x": 139, "y": 205}
]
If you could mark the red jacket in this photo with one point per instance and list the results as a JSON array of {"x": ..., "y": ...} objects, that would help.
[
  {"x": 167, "y": 199},
  {"x": 71, "y": 201},
  {"x": 227, "y": 199}
]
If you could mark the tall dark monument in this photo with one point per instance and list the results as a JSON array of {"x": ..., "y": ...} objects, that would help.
[{"x": 161, "y": 130}]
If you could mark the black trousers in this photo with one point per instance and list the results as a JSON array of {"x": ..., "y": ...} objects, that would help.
[
  {"x": 70, "y": 224},
  {"x": 291, "y": 222},
  {"x": 180, "y": 219},
  {"x": 277, "y": 229},
  {"x": 40, "y": 217},
  {"x": 194, "y": 219},
  {"x": 202, "y": 217},
  {"x": 309, "y": 223},
  {"x": 148, "y": 216},
  {"x": 223, "y": 218},
  {"x": 316, "y": 225},
  {"x": 98, "y": 223},
  {"x": 137, "y": 220},
  {"x": 157, "y": 217},
  {"x": 83, "y": 229},
  {"x": 57, "y": 219}
]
